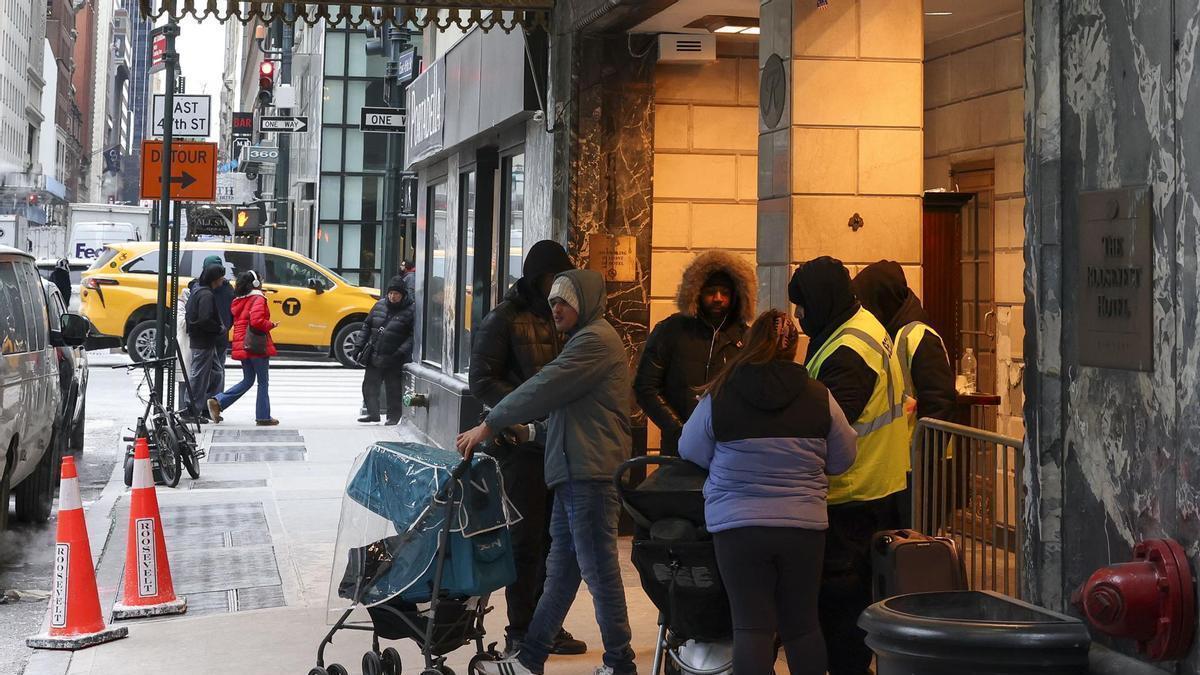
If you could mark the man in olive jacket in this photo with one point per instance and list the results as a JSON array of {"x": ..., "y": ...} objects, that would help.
[
  {"x": 586, "y": 393},
  {"x": 514, "y": 341}
]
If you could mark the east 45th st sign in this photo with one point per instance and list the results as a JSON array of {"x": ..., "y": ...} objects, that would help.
[{"x": 192, "y": 115}]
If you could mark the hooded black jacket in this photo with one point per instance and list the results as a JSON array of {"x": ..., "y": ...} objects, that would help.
[
  {"x": 684, "y": 352},
  {"x": 512, "y": 344},
  {"x": 883, "y": 290},
  {"x": 388, "y": 333},
  {"x": 822, "y": 287},
  {"x": 203, "y": 315}
]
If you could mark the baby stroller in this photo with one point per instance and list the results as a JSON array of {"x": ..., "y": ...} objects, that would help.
[
  {"x": 677, "y": 563},
  {"x": 424, "y": 540}
]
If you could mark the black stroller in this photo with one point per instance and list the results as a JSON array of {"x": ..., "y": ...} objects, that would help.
[
  {"x": 424, "y": 539},
  {"x": 675, "y": 559}
]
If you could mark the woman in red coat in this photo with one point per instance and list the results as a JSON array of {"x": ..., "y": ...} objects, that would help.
[{"x": 252, "y": 345}]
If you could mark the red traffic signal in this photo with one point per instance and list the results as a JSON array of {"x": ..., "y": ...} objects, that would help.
[{"x": 266, "y": 76}]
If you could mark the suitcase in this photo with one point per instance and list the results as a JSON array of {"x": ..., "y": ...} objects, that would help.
[{"x": 906, "y": 561}]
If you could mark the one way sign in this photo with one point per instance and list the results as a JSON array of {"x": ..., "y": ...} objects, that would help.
[
  {"x": 285, "y": 124},
  {"x": 382, "y": 119}
]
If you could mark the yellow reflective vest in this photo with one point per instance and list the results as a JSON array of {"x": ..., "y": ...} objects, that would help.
[{"x": 883, "y": 429}]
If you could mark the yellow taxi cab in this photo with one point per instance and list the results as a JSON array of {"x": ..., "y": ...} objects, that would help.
[{"x": 318, "y": 311}]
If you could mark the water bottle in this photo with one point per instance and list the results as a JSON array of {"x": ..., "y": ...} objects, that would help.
[{"x": 968, "y": 369}]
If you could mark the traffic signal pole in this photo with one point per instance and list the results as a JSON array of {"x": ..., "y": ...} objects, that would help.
[
  {"x": 282, "y": 169},
  {"x": 390, "y": 263},
  {"x": 165, "y": 228}
]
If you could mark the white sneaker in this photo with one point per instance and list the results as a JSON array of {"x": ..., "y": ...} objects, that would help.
[
  {"x": 604, "y": 670},
  {"x": 509, "y": 665}
]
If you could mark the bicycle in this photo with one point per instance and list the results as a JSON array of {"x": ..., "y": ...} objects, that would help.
[{"x": 171, "y": 439}]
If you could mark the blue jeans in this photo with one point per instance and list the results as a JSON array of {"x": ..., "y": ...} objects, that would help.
[
  {"x": 251, "y": 369},
  {"x": 583, "y": 533}
]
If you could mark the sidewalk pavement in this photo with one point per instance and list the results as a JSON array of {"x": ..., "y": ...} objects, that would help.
[{"x": 251, "y": 546}]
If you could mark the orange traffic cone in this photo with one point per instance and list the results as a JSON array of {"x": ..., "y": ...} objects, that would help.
[
  {"x": 148, "y": 589},
  {"x": 75, "y": 618}
]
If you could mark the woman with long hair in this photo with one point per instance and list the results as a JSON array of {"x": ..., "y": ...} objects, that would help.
[
  {"x": 769, "y": 437},
  {"x": 253, "y": 346}
]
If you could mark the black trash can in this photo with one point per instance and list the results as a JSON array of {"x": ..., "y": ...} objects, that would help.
[{"x": 979, "y": 632}]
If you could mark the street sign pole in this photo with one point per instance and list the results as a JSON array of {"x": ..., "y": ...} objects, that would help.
[{"x": 165, "y": 231}]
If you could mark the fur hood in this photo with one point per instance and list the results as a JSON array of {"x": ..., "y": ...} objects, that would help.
[{"x": 705, "y": 265}]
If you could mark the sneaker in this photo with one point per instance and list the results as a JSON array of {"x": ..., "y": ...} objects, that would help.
[
  {"x": 367, "y": 419},
  {"x": 267, "y": 422},
  {"x": 509, "y": 665},
  {"x": 391, "y": 422},
  {"x": 604, "y": 670},
  {"x": 565, "y": 644},
  {"x": 214, "y": 410}
]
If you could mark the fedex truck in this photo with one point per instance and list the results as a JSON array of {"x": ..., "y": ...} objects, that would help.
[{"x": 94, "y": 225}]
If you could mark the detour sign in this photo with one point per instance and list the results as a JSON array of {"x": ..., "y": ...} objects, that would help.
[{"x": 193, "y": 171}]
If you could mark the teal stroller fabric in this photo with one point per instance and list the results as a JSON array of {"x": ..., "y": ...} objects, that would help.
[{"x": 401, "y": 483}]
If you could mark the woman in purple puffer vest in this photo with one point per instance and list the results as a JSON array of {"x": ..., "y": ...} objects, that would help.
[{"x": 769, "y": 437}]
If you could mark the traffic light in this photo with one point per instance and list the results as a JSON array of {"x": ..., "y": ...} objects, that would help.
[
  {"x": 266, "y": 76},
  {"x": 246, "y": 219}
]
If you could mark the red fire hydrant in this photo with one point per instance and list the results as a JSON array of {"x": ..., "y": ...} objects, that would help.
[{"x": 1151, "y": 600}]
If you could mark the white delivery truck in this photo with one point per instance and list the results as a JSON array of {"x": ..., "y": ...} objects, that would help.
[
  {"x": 94, "y": 225},
  {"x": 12, "y": 230}
]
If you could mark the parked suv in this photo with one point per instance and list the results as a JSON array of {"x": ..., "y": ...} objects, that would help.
[
  {"x": 33, "y": 434},
  {"x": 318, "y": 311}
]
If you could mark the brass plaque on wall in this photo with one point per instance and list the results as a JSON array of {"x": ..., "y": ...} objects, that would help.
[
  {"x": 1116, "y": 279},
  {"x": 613, "y": 257}
]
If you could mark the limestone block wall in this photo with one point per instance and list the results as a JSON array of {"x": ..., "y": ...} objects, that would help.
[
  {"x": 974, "y": 111},
  {"x": 705, "y": 164}
]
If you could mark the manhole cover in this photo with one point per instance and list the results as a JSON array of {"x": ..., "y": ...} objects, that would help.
[
  {"x": 225, "y": 454},
  {"x": 256, "y": 435},
  {"x": 227, "y": 484}
]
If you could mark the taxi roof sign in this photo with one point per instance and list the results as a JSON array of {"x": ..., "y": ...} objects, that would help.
[{"x": 193, "y": 171}]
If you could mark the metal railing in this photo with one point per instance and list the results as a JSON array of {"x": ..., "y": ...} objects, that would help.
[{"x": 967, "y": 486}]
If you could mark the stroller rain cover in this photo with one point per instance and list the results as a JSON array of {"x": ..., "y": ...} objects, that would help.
[{"x": 391, "y": 523}]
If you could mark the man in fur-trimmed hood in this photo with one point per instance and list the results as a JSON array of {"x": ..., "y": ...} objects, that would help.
[{"x": 686, "y": 350}]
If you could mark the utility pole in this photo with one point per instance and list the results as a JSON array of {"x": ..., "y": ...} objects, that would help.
[
  {"x": 284, "y": 37},
  {"x": 171, "y": 61},
  {"x": 397, "y": 41}
]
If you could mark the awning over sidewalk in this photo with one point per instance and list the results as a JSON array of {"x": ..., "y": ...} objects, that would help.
[{"x": 504, "y": 14}]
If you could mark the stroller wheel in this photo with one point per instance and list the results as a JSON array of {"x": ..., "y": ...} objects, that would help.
[
  {"x": 391, "y": 661},
  {"x": 372, "y": 664},
  {"x": 670, "y": 667},
  {"x": 318, "y": 671},
  {"x": 336, "y": 669},
  {"x": 473, "y": 666}
]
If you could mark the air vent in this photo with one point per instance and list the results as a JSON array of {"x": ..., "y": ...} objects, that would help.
[{"x": 693, "y": 48}]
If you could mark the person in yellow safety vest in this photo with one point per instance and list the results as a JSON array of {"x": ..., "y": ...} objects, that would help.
[
  {"x": 852, "y": 354},
  {"x": 928, "y": 378}
]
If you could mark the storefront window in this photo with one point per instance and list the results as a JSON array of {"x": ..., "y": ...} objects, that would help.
[
  {"x": 512, "y": 240},
  {"x": 466, "y": 267},
  {"x": 435, "y": 279}
]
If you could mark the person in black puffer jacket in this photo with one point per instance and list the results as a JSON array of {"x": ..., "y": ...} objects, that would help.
[
  {"x": 686, "y": 350},
  {"x": 512, "y": 344},
  {"x": 386, "y": 344}
]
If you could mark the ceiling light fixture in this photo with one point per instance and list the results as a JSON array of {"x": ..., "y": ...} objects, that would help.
[{"x": 727, "y": 25}]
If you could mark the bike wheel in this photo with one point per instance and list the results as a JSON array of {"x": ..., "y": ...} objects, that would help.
[
  {"x": 167, "y": 452},
  {"x": 187, "y": 447}
]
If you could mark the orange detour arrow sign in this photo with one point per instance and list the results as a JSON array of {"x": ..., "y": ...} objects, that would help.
[
  {"x": 148, "y": 590},
  {"x": 75, "y": 618},
  {"x": 193, "y": 171}
]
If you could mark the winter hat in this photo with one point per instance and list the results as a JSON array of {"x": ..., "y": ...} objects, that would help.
[
  {"x": 719, "y": 278},
  {"x": 546, "y": 257},
  {"x": 210, "y": 261},
  {"x": 564, "y": 289},
  {"x": 397, "y": 284}
]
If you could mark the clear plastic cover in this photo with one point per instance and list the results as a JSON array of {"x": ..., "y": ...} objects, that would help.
[{"x": 391, "y": 524}]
